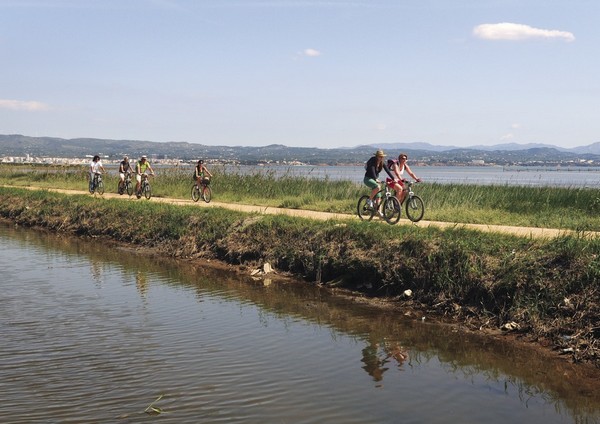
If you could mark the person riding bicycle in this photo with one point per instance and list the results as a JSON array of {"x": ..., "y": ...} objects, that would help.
[
  {"x": 398, "y": 167},
  {"x": 201, "y": 174},
  {"x": 371, "y": 180},
  {"x": 124, "y": 169},
  {"x": 140, "y": 168},
  {"x": 95, "y": 168}
]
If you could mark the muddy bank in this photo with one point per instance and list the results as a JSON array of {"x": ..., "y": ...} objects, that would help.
[{"x": 541, "y": 290}]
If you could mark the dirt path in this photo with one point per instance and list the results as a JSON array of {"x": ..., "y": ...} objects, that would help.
[{"x": 532, "y": 232}]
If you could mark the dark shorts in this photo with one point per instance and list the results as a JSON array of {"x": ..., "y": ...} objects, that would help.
[{"x": 371, "y": 183}]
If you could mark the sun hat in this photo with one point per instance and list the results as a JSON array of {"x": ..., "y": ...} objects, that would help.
[
  {"x": 380, "y": 153},
  {"x": 144, "y": 157}
]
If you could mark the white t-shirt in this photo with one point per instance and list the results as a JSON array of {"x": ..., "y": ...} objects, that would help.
[{"x": 95, "y": 166}]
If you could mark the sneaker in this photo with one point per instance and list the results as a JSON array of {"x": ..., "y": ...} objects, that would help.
[
  {"x": 380, "y": 214},
  {"x": 369, "y": 203}
]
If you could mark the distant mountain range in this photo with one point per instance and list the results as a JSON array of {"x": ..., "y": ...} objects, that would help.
[
  {"x": 502, "y": 154},
  {"x": 507, "y": 147}
]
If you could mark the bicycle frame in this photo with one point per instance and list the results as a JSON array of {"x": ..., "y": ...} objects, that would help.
[{"x": 387, "y": 206}]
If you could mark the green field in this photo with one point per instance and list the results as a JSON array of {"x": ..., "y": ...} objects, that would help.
[{"x": 563, "y": 208}]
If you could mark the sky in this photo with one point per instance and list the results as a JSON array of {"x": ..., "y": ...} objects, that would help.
[{"x": 305, "y": 73}]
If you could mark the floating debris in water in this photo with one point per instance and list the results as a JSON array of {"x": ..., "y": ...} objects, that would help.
[{"x": 154, "y": 410}]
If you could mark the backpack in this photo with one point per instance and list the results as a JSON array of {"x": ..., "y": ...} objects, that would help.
[{"x": 391, "y": 162}]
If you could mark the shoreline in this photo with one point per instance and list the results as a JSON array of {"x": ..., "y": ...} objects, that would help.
[{"x": 454, "y": 274}]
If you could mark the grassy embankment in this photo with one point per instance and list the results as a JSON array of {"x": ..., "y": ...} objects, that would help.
[
  {"x": 550, "y": 288},
  {"x": 564, "y": 208}
]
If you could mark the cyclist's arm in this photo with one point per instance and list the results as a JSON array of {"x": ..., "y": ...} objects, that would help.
[
  {"x": 150, "y": 169},
  {"x": 411, "y": 173},
  {"x": 207, "y": 172},
  {"x": 371, "y": 171}
]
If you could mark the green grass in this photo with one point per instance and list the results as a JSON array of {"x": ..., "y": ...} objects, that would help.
[{"x": 549, "y": 207}]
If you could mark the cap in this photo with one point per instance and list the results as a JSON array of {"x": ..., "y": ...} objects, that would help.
[
  {"x": 380, "y": 153},
  {"x": 144, "y": 157}
]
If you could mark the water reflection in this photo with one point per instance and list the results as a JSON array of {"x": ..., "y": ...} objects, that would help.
[
  {"x": 241, "y": 344},
  {"x": 378, "y": 356}
]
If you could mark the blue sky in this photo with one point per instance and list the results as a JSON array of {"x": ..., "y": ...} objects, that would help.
[{"x": 307, "y": 73}]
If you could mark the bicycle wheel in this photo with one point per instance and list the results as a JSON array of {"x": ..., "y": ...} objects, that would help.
[
  {"x": 129, "y": 187},
  {"x": 100, "y": 188},
  {"x": 415, "y": 208},
  {"x": 206, "y": 193},
  {"x": 121, "y": 188},
  {"x": 147, "y": 191},
  {"x": 195, "y": 193},
  {"x": 391, "y": 210},
  {"x": 364, "y": 211}
]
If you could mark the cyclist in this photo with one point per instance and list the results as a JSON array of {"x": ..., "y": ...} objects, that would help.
[
  {"x": 201, "y": 173},
  {"x": 398, "y": 167},
  {"x": 95, "y": 168},
  {"x": 141, "y": 167},
  {"x": 374, "y": 167},
  {"x": 124, "y": 169}
]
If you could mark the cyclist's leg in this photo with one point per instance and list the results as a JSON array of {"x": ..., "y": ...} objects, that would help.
[
  {"x": 138, "y": 184},
  {"x": 372, "y": 184},
  {"x": 399, "y": 187}
]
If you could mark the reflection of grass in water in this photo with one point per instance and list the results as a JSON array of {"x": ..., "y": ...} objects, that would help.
[
  {"x": 560, "y": 207},
  {"x": 495, "y": 277}
]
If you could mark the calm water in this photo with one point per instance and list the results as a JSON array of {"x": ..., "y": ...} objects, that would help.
[
  {"x": 525, "y": 176},
  {"x": 96, "y": 334}
]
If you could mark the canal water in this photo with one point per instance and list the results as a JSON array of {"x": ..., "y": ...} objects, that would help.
[{"x": 95, "y": 333}]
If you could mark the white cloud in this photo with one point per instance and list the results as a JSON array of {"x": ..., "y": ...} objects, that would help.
[
  {"x": 29, "y": 106},
  {"x": 515, "y": 126},
  {"x": 516, "y": 32},
  {"x": 311, "y": 53},
  {"x": 507, "y": 137}
]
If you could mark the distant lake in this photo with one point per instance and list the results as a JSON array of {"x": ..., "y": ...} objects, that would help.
[{"x": 485, "y": 175}]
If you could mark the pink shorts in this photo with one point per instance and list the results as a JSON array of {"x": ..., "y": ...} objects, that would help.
[{"x": 391, "y": 183}]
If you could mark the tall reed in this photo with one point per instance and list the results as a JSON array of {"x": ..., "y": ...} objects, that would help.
[{"x": 557, "y": 207}]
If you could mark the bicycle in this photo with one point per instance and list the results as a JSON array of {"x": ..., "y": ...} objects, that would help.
[
  {"x": 145, "y": 188},
  {"x": 390, "y": 206},
  {"x": 203, "y": 191},
  {"x": 127, "y": 185},
  {"x": 96, "y": 184},
  {"x": 413, "y": 204}
]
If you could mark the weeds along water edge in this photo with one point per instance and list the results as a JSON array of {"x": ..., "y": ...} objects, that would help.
[{"x": 548, "y": 288}]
